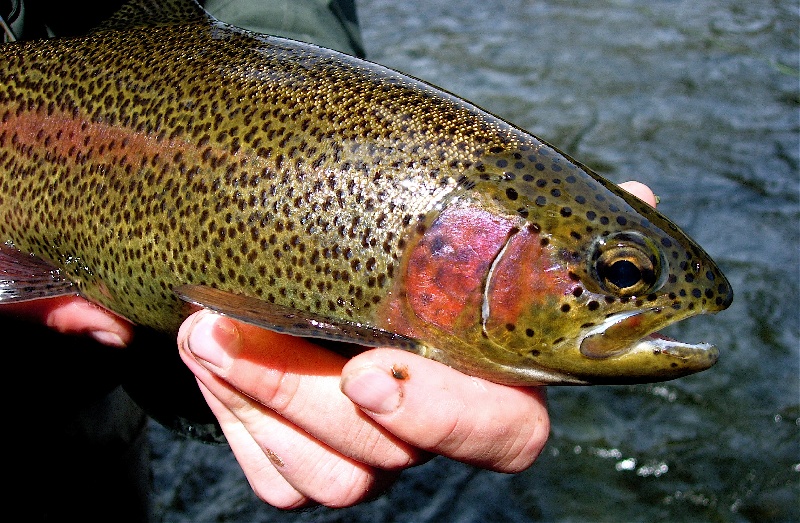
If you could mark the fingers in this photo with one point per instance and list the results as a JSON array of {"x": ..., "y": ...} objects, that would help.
[
  {"x": 641, "y": 191},
  {"x": 265, "y": 480},
  {"x": 75, "y": 315},
  {"x": 286, "y": 466},
  {"x": 443, "y": 411},
  {"x": 293, "y": 378},
  {"x": 278, "y": 400}
]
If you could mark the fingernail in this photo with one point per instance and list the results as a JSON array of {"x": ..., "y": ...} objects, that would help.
[
  {"x": 373, "y": 389},
  {"x": 109, "y": 338},
  {"x": 215, "y": 340}
]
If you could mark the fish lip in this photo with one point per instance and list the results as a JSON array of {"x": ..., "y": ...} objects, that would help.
[
  {"x": 595, "y": 345},
  {"x": 660, "y": 344},
  {"x": 590, "y": 343}
]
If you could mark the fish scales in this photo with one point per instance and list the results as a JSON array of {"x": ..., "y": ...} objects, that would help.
[
  {"x": 246, "y": 169},
  {"x": 186, "y": 152}
]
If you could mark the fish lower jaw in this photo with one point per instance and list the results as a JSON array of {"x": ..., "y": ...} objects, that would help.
[
  {"x": 629, "y": 335},
  {"x": 656, "y": 344}
]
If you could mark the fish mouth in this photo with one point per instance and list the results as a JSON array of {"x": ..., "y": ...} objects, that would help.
[
  {"x": 659, "y": 344},
  {"x": 630, "y": 339}
]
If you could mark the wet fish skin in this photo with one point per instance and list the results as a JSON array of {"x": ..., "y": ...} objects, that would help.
[{"x": 170, "y": 151}]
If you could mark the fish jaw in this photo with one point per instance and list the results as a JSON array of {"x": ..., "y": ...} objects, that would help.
[
  {"x": 638, "y": 354},
  {"x": 623, "y": 349}
]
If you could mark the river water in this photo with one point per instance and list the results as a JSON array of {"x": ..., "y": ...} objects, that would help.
[{"x": 700, "y": 101}]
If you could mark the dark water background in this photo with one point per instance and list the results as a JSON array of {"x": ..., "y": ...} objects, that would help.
[{"x": 700, "y": 101}]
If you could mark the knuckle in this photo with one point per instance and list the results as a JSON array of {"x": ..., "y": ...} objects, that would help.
[
  {"x": 278, "y": 390},
  {"x": 378, "y": 449},
  {"x": 450, "y": 435},
  {"x": 280, "y": 494},
  {"x": 342, "y": 484},
  {"x": 497, "y": 439},
  {"x": 524, "y": 447}
]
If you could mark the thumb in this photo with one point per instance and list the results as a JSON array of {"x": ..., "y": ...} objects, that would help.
[{"x": 438, "y": 409}]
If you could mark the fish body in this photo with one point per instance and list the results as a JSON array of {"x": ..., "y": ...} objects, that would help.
[{"x": 169, "y": 158}]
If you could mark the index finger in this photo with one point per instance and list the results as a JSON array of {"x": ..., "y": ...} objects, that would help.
[{"x": 641, "y": 191}]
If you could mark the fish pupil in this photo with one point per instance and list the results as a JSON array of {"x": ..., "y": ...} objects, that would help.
[{"x": 622, "y": 274}]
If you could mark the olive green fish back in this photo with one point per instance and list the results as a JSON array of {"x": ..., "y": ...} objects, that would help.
[{"x": 163, "y": 126}]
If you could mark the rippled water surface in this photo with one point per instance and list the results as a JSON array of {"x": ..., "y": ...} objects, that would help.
[{"x": 700, "y": 101}]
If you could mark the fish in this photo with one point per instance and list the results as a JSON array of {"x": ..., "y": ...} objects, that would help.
[{"x": 167, "y": 160}]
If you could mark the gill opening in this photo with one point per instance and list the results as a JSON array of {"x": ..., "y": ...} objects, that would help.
[{"x": 485, "y": 307}]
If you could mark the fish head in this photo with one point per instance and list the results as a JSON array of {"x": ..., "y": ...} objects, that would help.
[{"x": 587, "y": 277}]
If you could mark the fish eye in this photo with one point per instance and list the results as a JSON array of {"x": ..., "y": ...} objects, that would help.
[
  {"x": 622, "y": 274},
  {"x": 628, "y": 264}
]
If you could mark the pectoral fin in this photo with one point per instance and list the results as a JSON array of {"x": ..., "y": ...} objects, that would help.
[
  {"x": 291, "y": 321},
  {"x": 25, "y": 277}
]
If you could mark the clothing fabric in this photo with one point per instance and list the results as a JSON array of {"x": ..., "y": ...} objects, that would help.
[{"x": 329, "y": 23}]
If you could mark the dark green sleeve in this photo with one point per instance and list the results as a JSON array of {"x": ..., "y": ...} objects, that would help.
[{"x": 329, "y": 23}]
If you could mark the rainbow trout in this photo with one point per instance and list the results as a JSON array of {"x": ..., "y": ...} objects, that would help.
[{"x": 168, "y": 158}]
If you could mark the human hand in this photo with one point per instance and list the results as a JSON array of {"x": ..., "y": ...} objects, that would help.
[
  {"x": 74, "y": 315},
  {"x": 310, "y": 426},
  {"x": 641, "y": 191}
]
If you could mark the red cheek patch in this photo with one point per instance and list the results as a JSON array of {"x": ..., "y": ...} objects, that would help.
[
  {"x": 448, "y": 266},
  {"x": 524, "y": 277}
]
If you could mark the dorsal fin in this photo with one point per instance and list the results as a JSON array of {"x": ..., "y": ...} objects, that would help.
[{"x": 147, "y": 13}]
